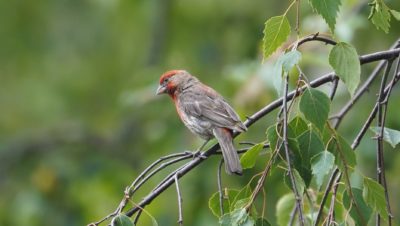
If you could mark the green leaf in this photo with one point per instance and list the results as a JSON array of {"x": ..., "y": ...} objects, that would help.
[
  {"x": 380, "y": 16},
  {"x": 276, "y": 31},
  {"x": 310, "y": 144},
  {"x": 374, "y": 196},
  {"x": 228, "y": 201},
  {"x": 342, "y": 152},
  {"x": 226, "y": 220},
  {"x": 298, "y": 126},
  {"x": 239, "y": 217},
  {"x": 295, "y": 128},
  {"x": 315, "y": 106},
  {"x": 275, "y": 140},
  {"x": 272, "y": 137},
  {"x": 283, "y": 209},
  {"x": 362, "y": 215},
  {"x": 285, "y": 63},
  {"x": 345, "y": 62},
  {"x": 244, "y": 193},
  {"x": 322, "y": 164},
  {"x": 328, "y": 9},
  {"x": 389, "y": 135},
  {"x": 396, "y": 14},
  {"x": 262, "y": 222},
  {"x": 241, "y": 203},
  {"x": 289, "y": 59},
  {"x": 295, "y": 152},
  {"x": 121, "y": 220},
  {"x": 248, "y": 222},
  {"x": 300, "y": 185},
  {"x": 248, "y": 159}
]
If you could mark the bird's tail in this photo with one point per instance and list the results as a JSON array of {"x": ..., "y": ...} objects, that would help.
[{"x": 231, "y": 158}]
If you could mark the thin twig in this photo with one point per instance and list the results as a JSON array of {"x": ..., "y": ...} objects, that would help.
[
  {"x": 219, "y": 183},
  {"x": 139, "y": 213},
  {"x": 380, "y": 166},
  {"x": 391, "y": 85},
  {"x": 286, "y": 147},
  {"x": 372, "y": 115},
  {"x": 313, "y": 37},
  {"x": 385, "y": 102},
  {"x": 292, "y": 215},
  {"x": 333, "y": 179},
  {"x": 158, "y": 169},
  {"x": 151, "y": 166},
  {"x": 178, "y": 192},
  {"x": 169, "y": 176},
  {"x": 346, "y": 175},
  {"x": 261, "y": 181},
  {"x": 297, "y": 28},
  {"x": 333, "y": 199},
  {"x": 247, "y": 143},
  {"x": 335, "y": 84}
]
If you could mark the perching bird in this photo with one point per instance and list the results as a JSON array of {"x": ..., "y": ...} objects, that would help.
[{"x": 204, "y": 112}]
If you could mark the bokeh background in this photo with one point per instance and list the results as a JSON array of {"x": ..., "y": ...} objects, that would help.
[{"x": 79, "y": 119}]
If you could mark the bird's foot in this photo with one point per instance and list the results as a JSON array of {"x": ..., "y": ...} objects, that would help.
[{"x": 196, "y": 154}]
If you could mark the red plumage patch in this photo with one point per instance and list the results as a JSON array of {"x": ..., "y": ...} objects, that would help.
[{"x": 168, "y": 74}]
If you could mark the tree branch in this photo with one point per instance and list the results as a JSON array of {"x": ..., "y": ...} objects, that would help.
[
  {"x": 170, "y": 179},
  {"x": 379, "y": 151}
]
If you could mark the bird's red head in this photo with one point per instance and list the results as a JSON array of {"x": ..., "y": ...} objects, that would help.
[{"x": 169, "y": 81}]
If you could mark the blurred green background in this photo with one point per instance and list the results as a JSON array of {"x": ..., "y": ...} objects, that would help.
[{"x": 79, "y": 119}]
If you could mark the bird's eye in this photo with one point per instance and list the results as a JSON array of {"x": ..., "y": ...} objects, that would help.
[{"x": 166, "y": 80}]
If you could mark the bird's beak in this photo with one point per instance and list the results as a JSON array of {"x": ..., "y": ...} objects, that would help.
[{"x": 161, "y": 89}]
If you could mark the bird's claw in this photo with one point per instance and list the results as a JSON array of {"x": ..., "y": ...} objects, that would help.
[{"x": 196, "y": 154}]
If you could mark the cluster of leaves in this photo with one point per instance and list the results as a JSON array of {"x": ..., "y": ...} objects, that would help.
[
  {"x": 380, "y": 15},
  {"x": 317, "y": 149},
  {"x": 277, "y": 29}
]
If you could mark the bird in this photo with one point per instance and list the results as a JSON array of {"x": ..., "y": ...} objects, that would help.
[{"x": 205, "y": 113}]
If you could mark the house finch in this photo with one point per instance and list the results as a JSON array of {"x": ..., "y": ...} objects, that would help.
[{"x": 204, "y": 112}]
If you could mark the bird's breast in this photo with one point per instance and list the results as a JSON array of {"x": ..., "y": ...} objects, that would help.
[{"x": 196, "y": 125}]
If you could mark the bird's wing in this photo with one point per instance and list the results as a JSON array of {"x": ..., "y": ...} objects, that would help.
[{"x": 212, "y": 107}]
